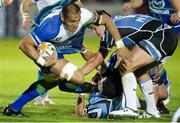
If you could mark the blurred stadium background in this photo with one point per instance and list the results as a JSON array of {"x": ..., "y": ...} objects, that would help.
[
  {"x": 17, "y": 72},
  {"x": 11, "y": 19}
]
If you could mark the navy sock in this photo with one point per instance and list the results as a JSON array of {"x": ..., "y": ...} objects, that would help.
[{"x": 23, "y": 99}]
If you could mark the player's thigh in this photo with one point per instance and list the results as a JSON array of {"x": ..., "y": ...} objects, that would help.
[{"x": 140, "y": 58}]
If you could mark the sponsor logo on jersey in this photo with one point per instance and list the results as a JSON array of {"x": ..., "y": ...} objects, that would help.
[{"x": 158, "y": 6}]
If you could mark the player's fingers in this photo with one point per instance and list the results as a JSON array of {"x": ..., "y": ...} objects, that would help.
[
  {"x": 118, "y": 62},
  {"x": 122, "y": 67}
]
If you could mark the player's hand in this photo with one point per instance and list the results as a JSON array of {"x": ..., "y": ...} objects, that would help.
[
  {"x": 175, "y": 18},
  {"x": 127, "y": 7},
  {"x": 125, "y": 55},
  {"x": 26, "y": 21},
  {"x": 51, "y": 60}
]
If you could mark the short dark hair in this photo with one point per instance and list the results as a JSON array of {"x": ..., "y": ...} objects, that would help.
[{"x": 70, "y": 8}]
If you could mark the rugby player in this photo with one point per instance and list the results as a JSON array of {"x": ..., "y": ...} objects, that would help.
[
  {"x": 150, "y": 42},
  {"x": 43, "y": 6},
  {"x": 168, "y": 11},
  {"x": 65, "y": 29}
]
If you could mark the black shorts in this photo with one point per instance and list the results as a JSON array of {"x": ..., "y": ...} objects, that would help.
[{"x": 161, "y": 45}]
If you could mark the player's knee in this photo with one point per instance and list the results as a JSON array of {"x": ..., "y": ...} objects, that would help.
[{"x": 71, "y": 73}]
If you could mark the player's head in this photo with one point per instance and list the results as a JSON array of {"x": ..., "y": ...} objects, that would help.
[
  {"x": 71, "y": 15},
  {"x": 98, "y": 30},
  {"x": 98, "y": 107}
]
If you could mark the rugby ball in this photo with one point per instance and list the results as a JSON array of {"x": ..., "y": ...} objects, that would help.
[{"x": 46, "y": 49}]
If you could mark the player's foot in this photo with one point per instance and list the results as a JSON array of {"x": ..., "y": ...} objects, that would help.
[
  {"x": 148, "y": 115},
  {"x": 8, "y": 111},
  {"x": 43, "y": 100},
  {"x": 124, "y": 113},
  {"x": 47, "y": 101},
  {"x": 162, "y": 108}
]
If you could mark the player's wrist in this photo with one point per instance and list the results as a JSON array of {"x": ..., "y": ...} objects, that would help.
[
  {"x": 178, "y": 13},
  {"x": 119, "y": 44},
  {"x": 41, "y": 61}
]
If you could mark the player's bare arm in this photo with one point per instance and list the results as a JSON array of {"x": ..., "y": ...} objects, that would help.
[
  {"x": 28, "y": 47},
  {"x": 24, "y": 8},
  {"x": 133, "y": 4},
  {"x": 122, "y": 52},
  {"x": 175, "y": 18}
]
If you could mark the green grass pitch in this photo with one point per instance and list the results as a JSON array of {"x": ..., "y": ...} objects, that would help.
[{"x": 17, "y": 72}]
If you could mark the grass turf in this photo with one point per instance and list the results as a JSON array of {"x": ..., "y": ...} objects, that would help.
[{"x": 17, "y": 72}]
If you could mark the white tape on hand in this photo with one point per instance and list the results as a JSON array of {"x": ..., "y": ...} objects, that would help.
[
  {"x": 41, "y": 61},
  {"x": 179, "y": 14},
  {"x": 119, "y": 44}
]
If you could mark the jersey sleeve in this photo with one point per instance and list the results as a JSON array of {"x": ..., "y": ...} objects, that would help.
[
  {"x": 44, "y": 32},
  {"x": 91, "y": 17}
]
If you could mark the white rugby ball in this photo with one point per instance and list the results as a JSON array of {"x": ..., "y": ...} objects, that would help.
[{"x": 46, "y": 49}]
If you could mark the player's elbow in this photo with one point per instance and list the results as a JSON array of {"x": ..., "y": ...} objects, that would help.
[{"x": 22, "y": 45}]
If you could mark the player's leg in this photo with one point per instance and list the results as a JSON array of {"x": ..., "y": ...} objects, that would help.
[
  {"x": 140, "y": 58},
  {"x": 44, "y": 98},
  {"x": 164, "y": 92},
  {"x": 37, "y": 88},
  {"x": 147, "y": 88},
  {"x": 66, "y": 70}
]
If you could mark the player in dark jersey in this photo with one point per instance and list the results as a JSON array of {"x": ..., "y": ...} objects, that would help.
[
  {"x": 168, "y": 11},
  {"x": 151, "y": 44}
]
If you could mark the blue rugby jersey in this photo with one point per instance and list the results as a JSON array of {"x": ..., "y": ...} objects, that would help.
[{"x": 51, "y": 29}]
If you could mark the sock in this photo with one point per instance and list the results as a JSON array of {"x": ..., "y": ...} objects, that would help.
[
  {"x": 138, "y": 102},
  {"x": 129, "y": 86},
  {"x": 147, "y": 89},
  {"x": 31, "y": 93},
  {"x": 23, "y": 99}
]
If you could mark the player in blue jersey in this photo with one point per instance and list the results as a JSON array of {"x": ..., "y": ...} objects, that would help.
[
  {"x": 107, "y": 98},
  {"x": 150, "y": 42},
  {"x": 43, "y": 7},
  {"x": 65, "y": 29},
  {"x": 106, "y": 95},
  {"x": 168, "y": 11},
  {"x": 4, "y": 3}
]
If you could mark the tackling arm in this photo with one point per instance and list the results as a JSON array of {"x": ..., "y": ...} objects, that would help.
[
  {"x": 133, "y": 4},
  {"x": 123, "y": 52}
]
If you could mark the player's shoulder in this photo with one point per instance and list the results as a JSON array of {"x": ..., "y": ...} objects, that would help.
[
  {"x": 51, "y": 25},
  {"x": 85, "y": 14}
]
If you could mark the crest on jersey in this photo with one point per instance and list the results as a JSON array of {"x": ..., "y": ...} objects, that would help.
[{"x": 157, "y": 3}]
